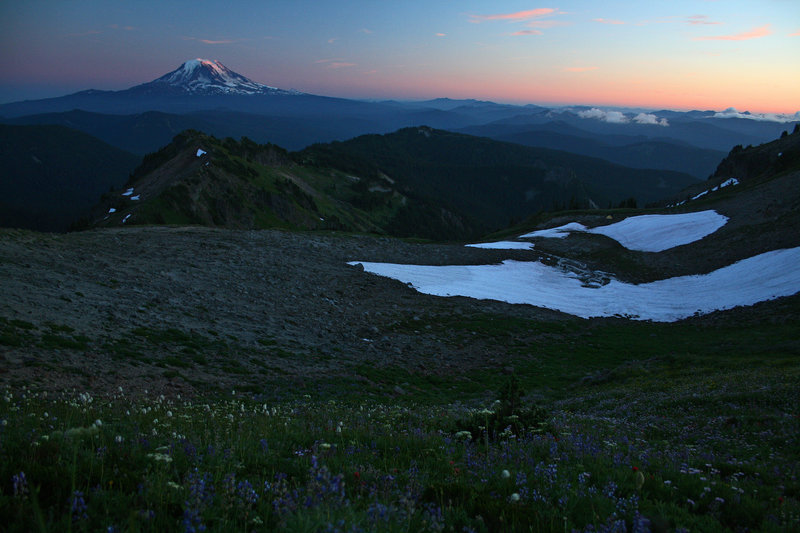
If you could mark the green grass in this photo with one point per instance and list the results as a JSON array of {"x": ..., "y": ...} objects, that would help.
[
  {"x": 689, "y": 425},
  {"x": 235, "y": 462}
]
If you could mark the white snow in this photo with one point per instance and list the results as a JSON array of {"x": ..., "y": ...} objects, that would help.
[
  {"x": 729, "y": 181},
  {"x": 124, "y": 220},
  {"x": 503, "y": 245},
  {"x": 128, "y": 192},
  {"x": 655, "y": 233},
  {"x": 555, "y": 233},
  {"x": 212, "y": 77},
  {"x": 111, "y": 210},
  {"x": 648, "y": 233},
  {"x": 201, "y": 152},
  {"x": 135, "y": 197},
  {"x": 763, "y": 277}
]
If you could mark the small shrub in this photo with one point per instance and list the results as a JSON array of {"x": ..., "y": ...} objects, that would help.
[{"x": 508, "y": 416}]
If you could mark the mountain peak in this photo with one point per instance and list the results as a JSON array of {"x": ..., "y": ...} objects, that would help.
[{"x": 208, "y": 77}]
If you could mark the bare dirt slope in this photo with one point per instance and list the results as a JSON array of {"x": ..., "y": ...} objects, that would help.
[{"x": 181, "y": 308}]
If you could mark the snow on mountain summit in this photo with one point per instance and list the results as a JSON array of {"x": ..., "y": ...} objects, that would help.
[{"x": 206, "y": 76}]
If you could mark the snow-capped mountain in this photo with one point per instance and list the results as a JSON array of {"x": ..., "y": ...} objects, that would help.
[{"x": 207, "y": 77}]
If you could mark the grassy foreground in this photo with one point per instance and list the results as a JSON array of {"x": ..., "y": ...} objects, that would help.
[{"x": 684, "y": 427}]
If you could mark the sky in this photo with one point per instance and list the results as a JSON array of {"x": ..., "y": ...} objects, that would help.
[{"x": 653, "y": 54}]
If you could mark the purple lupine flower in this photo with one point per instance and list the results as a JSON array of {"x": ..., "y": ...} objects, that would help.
[
  {"x": 246, "y": 493},
  {"x": 20, "y": 485},
  {"x": 78, "y": 507}
]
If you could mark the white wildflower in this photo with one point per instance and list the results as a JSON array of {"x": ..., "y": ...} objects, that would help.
[{"x": 505, "y": 474}]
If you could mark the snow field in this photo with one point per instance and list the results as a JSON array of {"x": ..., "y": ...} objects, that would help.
[
  {"x": 503, "y": 245},
  {"x": 763, "y": 277},
  {"x": 648, "y": 233}
]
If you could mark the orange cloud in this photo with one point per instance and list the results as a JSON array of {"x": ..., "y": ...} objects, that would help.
[
  {"x": 795, "y": 34},
  {"x": 527, "y": 32},
  {"x": 608, "y": 21},
  {"x": 441, "y": 34},
  {"x": 518, "y": 16},
  {"x": 756, "y": 33}
]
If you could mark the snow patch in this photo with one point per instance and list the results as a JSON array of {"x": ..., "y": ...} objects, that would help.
[
  {"x": 128, "y": 192},
  {"x": 555, "y": 233},
  {"x": 763, "y": 277},
  {"x": 648, "y": 233},
  {"x": 503, "y": 245},
  {"x": 204, "y": 76},
  {"x": 124, "y": 220},
  {"x": 201, "y": 152},
  {"x": 726, "y": 183},
  {"x": 655, "y": 233},
  {"x": 111, "y": 210}
]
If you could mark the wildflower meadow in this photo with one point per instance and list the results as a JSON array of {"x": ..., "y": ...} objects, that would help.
[{"x": 618, "y": 459}]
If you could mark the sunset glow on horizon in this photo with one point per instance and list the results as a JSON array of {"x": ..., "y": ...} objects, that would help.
[{"x": 687, "y": 54}]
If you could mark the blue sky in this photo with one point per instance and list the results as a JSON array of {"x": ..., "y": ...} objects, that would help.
[{"x": 671, "y": 54}]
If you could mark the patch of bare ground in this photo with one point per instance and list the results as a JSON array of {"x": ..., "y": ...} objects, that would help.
[{"x": 189, "y": 309}]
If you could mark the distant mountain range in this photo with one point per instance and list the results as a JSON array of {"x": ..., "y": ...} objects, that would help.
[
  {"x": 448, "y": 185},
  {"x": 204, "y": 94}
]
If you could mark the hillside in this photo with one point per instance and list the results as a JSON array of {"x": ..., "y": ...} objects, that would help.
[
  {"x": 52, "y": 175},
  {"x": 495, "y": 182},
  {"x": 416, "y": 182},
  {"x": 631, "y": 151},
  {"x": 198, "y": 179}
]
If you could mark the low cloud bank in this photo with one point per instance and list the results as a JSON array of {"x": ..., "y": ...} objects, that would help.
[
  {"x": 617, "y": 117},
  {"x": 731, "y": 112}
]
